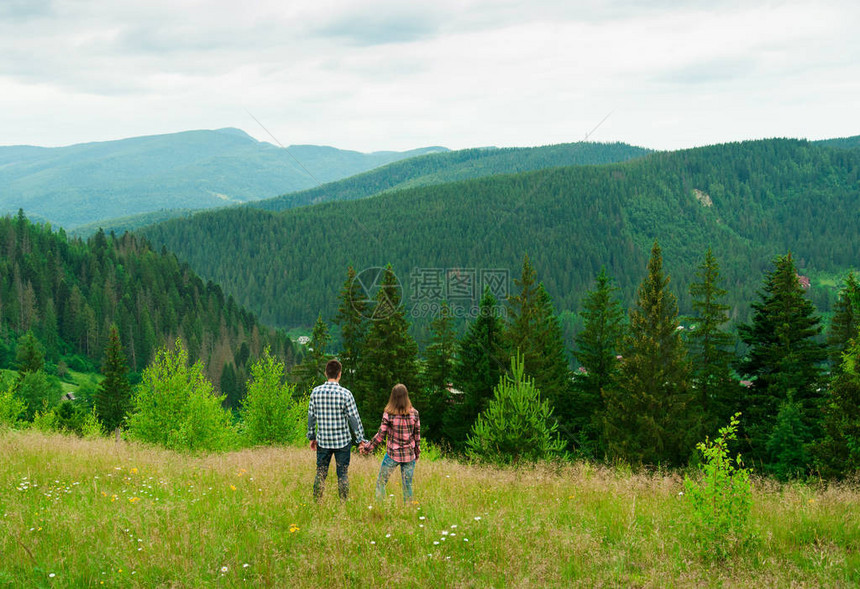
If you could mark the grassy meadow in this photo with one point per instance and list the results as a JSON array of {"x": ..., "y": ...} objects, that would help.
[{"x": 93, "y": 513}]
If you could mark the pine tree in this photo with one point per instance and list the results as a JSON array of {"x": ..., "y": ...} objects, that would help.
[
  {"x": 439, "y": 371},
  {"x": 230, "y": 386},
  {"x": 846, "y": 321},
  {"x": 311, "y": 372},
  {"x": 787, "y": 444},
  {"x": 389, "y": 355},
  {"x": 30, "y": 355},
  {"x": 352, "y": 313},
  {"x": 597, "y": 347},
  {"x": 837, "y": 453},
  {"x": 517, "y": 424},
  {"x": 481, "y": 358},
  {"x": 534, "y": 330},
  {"x": 648, "y": 415},
  {"x": 113, "y": 397},
  {"x": 717, "y": 393},
  {"x": 784, "y": 356}
]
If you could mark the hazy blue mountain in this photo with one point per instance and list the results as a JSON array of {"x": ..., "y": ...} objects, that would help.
[
  {"x": 465, "y": 164},
  {"x": 421, "y": 170},
  {"x": 85, "y": 183}
]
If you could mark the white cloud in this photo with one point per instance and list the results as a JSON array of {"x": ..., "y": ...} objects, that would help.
[{"x": 391, "y": 75}]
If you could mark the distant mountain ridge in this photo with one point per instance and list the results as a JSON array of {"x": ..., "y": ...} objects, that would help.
[
  {"x": 84, "y": 183},
  {"x": 421, "y": 170},
  {"x": 464, "y": 164},
  {"x": 750, "y": 201}
]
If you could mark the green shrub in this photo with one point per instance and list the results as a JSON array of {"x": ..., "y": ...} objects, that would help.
[
  {"x": 269, "y": 413},
  {"x": 722, "y": 500},
  {"x": 430, "y": 452},
  {"x": 91, "y": 427},
  {"x": 175, "y": 406},
  {"x": 45, "y": 420},
  {"x": 517, "y": 425},
  {"x": 37, "y": 391},
  {"x": 11, "y": 409}
]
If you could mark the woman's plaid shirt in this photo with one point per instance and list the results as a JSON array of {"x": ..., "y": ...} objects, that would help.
[
  {"x": 404, "y": 435},
  {"x": 331, "y": 412}
]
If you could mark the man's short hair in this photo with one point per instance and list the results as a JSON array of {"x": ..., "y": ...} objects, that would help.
[{"x": 332, "y": 368}]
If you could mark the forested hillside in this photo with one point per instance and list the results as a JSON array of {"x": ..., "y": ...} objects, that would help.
[
  {"x": 749, "y": 201},
  {"x": 68, "y": 293},
  {"x": 439, "y": 168},
  {"x": 89, "y": 182},
  {"x": 842, "y": 142}
]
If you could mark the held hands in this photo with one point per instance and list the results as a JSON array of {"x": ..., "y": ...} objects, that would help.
[{"x": 363, "y": 448}]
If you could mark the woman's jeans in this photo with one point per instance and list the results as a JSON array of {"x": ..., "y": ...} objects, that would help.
[{"x": 407, "y": 469}]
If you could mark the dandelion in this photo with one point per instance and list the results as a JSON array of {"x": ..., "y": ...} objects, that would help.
[
  {"x": 133, "y": 470},
  {"x": 232, "y": 487},
  {"x": 294, "y": 528}
]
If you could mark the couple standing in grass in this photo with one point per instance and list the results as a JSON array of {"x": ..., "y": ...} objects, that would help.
[{"x": 332, "y": 413}]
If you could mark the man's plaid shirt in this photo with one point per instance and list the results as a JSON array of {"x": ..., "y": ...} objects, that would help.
[
  {"x": 404, "y": 436},
  {"x": 331, "y": 412}
]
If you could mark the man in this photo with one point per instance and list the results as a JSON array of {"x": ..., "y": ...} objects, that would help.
[{"x": 331, "y": 414}]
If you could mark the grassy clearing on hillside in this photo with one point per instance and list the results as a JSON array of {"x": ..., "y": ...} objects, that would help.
[{"x": 79, "y": 513}]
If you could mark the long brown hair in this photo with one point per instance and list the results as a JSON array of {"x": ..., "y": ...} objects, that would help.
[{"x": 398, "y": 402}]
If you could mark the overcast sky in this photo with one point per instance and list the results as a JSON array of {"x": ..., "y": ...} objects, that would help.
[{"x": 372, "y": 75}]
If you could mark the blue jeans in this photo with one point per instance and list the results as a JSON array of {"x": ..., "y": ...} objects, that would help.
[
  {"x": 341, "y": 460},
  {"x": 407, "y": 469}
]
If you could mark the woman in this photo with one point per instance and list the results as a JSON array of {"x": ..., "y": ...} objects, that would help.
[{"x": 401, "y": 426}]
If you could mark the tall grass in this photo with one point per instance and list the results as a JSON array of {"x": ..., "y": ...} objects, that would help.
[{"x": 91, "y": 511}]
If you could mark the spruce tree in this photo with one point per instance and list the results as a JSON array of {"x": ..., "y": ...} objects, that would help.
[
  {"x": 533, "y": 329},
  {"x": 846, "y": 321},
  {"x": 597, "y": 347},
  {"x": 113, "y": 397},
  {"x": 709, "y": 345},
  {"x": 837, "y": 453},
  {"x": 481, "y": 358},
  {"x": 648, "y": 415},
  {"x": 517, "y": 424},
  {"x": 389, "y": 355},
  {"x": 352, "y": 319},
  {"x": 784, "y": 358},
  {"x": 30, "y": 355},
  {"x": 439, "y": 371}
]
